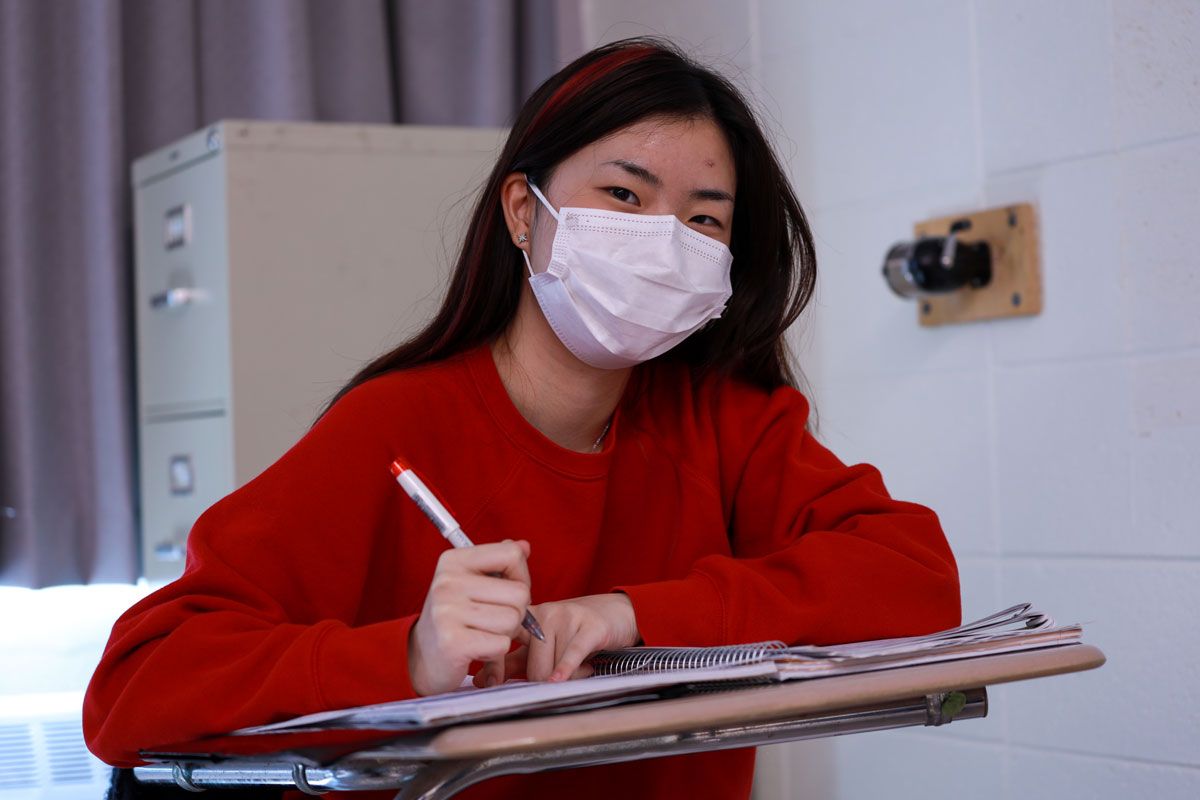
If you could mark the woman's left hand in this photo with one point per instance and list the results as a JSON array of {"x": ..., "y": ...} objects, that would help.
[{"x": 574, "y": 630}]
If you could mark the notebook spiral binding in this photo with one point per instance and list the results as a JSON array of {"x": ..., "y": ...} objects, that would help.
[{"x": 657, "y": 659}]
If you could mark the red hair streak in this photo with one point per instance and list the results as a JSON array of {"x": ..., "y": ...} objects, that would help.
[{"x": 584, "y": 78}]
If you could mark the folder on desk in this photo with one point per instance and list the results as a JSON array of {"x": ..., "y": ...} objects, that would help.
[{"x": 646, "y": 673}]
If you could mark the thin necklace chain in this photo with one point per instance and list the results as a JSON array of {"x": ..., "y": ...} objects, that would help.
[{"x": 600, "y": 439}]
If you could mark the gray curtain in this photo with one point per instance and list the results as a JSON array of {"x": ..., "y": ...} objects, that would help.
[{"x": 88, "y": 85}]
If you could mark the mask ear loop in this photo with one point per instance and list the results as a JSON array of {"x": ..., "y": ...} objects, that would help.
[
  {"x": 549, "y": 208},
  {"x": 545, "y": 202}
]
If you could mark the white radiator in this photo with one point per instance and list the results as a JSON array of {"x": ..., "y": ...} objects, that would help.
[{"x": 42, "y": 755}]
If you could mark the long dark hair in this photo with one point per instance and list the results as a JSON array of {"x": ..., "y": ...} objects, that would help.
[{"x": 606, "y": 89}]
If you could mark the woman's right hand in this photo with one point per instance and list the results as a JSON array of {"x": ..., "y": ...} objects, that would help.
[{"x": 473, "y": 611}]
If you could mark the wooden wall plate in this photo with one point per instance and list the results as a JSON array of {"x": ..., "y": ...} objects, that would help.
[{"x": 1016, "y": 286}]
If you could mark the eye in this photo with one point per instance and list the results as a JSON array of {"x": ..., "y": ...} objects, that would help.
[
  {"x": 711, "y": 220},
  {"x": 621, "y": 193}
]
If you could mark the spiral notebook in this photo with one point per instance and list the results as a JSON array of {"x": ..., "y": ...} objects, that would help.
[{"x": 646, "y": 673}]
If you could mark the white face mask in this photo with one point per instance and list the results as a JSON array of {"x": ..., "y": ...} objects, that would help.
[{"x": 623, "y": 288}]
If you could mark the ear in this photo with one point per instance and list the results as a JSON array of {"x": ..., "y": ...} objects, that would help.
[{"x": 519, "y": 206}]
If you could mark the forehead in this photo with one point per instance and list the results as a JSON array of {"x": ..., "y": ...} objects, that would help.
[{"x": 680, "y": 151}]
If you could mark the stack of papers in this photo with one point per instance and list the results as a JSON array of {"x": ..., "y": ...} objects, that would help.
[{"x": 644, "y": 673}]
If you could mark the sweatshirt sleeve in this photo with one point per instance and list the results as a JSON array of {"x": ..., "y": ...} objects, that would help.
[
  {"x": 258, "y": 628},
  {"x": 820, "y": 552}
]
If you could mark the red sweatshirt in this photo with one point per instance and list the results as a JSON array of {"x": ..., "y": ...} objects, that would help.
[{"x": 710, "y": 505}]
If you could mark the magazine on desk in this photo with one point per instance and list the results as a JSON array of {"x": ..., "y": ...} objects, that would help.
[{"x": 650, "y": 672}]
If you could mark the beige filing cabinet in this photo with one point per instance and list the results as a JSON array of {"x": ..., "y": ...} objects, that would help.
[{"x": 272, "y": 261}]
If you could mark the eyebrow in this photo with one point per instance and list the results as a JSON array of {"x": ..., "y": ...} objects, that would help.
[{"x": 637, "y": 170}]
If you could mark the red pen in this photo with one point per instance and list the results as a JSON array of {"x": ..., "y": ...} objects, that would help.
[{"x": 444, "y": 521}]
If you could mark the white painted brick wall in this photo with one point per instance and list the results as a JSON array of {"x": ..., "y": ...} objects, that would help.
[
  {"x": 1063, "y": 451},
  {"x": 1079, "y": 218},
  {"x": 1156, "y": 94},
  {"x": 1062, "y": 457},
  {"x": 1142, "y": 704},
  {"x": 1160, "y": 267},
  {"x": 871, "y": 112},
  {"x": 1035, "y": 773},
  {"x": 1044, "y": 74}
]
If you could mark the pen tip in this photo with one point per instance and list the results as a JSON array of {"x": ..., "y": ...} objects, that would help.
[
  {"x": 398, "y": 466},
  {"x": 530, "y": 624}
]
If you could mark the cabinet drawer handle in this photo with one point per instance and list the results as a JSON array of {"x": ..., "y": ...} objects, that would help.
[{"x": 177, "y": 298}]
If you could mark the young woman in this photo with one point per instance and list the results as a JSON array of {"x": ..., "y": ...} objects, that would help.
[{"x": 604, "y": 401}]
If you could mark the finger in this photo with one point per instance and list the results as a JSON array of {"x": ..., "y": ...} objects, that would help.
[
  {"x": 518, "y": 568},
  {"x": 453, "y": 586},
  {"x": 585, "y": 670},
  {"x": 578, "y": 648},
  {"x": 485, "y": 676},
  {"x": 514, "y": 663},
  {"x": 501, "y": 591},
  {"x": 480, "y": 645},
  {"x": 491, "y": 618},
  {"x": 506, "y": 558},
  {"x": 540, "y": 662},
  {"x": 521, "y": 634},
  {"x": 492, "y": 674}
]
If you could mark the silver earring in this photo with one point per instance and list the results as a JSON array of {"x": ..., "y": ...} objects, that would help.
[{"x": 522, "y": 238}]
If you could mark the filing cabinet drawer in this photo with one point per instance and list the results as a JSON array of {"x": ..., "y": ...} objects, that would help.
[
  {"x": 182, "y": 291},
  {"x": 186, "y": 466}
]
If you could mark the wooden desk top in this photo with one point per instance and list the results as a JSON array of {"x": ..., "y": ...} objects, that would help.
[{"x": 786, "y": 700}]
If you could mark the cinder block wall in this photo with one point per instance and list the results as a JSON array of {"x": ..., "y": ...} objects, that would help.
[{"x": 1062, "y": 452}]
